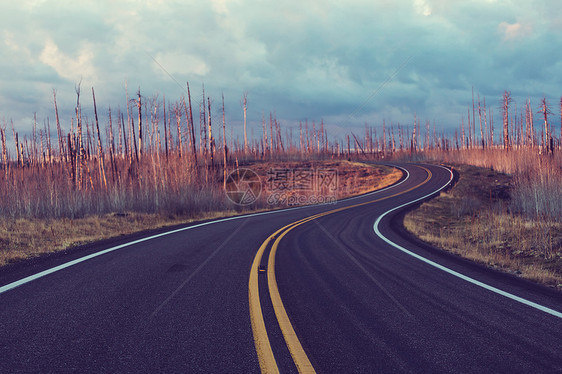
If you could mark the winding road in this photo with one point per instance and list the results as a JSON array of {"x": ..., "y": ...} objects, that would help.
[{"x": 331, "y": 288}]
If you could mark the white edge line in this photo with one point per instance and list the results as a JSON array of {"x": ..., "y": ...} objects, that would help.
[
  {"x": 452, "y": 272},
  {"x": 65, "y": 265}
]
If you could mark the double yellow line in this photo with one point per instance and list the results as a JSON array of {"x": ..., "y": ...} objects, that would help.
[{"x": 261, "y": 340}]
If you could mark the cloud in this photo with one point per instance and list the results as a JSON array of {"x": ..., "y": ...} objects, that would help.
[
  {"x": 514, "y": 31},
  {"x": 181, "y": 64},
  {"x": 68, "y": 67},
  {"x": 12, "y": 44},
  {"x": 302, "y": 59},
  {"x": 220, "y": 6},
  {"x": 422, "y": 7}
]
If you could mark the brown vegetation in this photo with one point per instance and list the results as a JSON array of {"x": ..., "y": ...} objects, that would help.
[
  {"x": 476, "y": 219},
  {"x": 22, "y": 238}
]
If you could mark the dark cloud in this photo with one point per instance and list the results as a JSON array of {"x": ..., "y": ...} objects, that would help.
[{"x": 303, "y": 60}]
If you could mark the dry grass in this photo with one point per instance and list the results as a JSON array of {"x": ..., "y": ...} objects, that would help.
[
  {"x": 354, "y": 178},
  {"x": 537, "y": 183},
  {"x": 22, "y": 238},
  {"x": 474, "y": 220}
]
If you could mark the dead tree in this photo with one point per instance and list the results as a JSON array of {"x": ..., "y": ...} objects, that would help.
[
  {"x": 506, "y": 100},
  {"x": 139, "y": 107},
  {"x": 101, "y": 155},
  {"x": 271, "y": 133},
  {"x": 486, "y": 130},
  {"x": 125, "y": 149},
  {"x": 463, "y": 135},
  {"x": 413, "y": 145},
  {"x": 529, "y": 130},
  {"x": 59, "y": 131},
  {"x": 4, "y": 150},
  {"x": 474, "y": 120},
  {"x": 165, "y": 128},
  {"x": 224, "y": 147},
  {"x": 384, "y": 136},
  {"x": 264, "y": 130},
  {"x": 112, "y": 147},
  {"x": 480, "y": 121},
  {"x": 80, "y": 153},
  {"x": 245, "y": 103},
  {"x": 211, "y": 139},
  {"x": 548, "y": 141},
  {"x": 177, "y": 113},
  {"x": 491, "y": 127},
  {"x": 192, "y": 131}
]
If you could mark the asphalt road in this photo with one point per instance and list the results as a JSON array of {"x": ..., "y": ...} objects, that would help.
[{"x": 179, "y": 302}]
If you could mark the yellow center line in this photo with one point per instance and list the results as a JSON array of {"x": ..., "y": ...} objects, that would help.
[{"x": 261, "y": 340}]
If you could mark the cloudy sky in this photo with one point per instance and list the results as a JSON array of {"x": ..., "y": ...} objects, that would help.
[{"x": 346, "y": 62}]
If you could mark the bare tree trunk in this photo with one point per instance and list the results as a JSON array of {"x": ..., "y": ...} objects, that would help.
[
  {"x": 505, "y": 111},
  {"x": 165, "y": 129},
  {"x": 33, "y": 153},
  {"x": 4, "y": 151},
  {"x": 192, "y": 128},
  {"x": 414, "y": 144},
  {"x": 470, "y": 135},
  {"x": 125, "y": 153},
  {"x": 301, "y": 139},
  {"x": 134, "y": 140},
  {"x": 480, "y": 121},
  {"x": 393, "y": 142},
  {"x": 265, "y": 145},
  {"x": 89, "y": 145},
  {"x": 486, "y": 131},
  {"x": 358, "y": 145},
  {"x": 224, "y": 148},
  {"x": 177, "y": 112},
  {"x": 271, "y": 132},
  {"x": 473, "y": 119},
  {"x": 139, "y": 107},
  {"x": 112, "y": 148},
  {"x": 548, "y": 146},
  {"x": 245, "y": 103},
  {"x": 59, "y": 131},
  {"x": 529, "y": 130},
  {"x": 129, "y": 133},
  {"x": 427, "y": 135},
  {"x": 463, "y": 134},
  {"x": 384, "y": 135},
  {"x": 80, "y": 153},
  {"x": 491, "y": 127},
  {"x": 211, "y": 140},
  {"x": 101, "y": 156}
]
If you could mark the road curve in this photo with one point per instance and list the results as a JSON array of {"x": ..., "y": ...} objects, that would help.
[{"x": 179, "y": 302}]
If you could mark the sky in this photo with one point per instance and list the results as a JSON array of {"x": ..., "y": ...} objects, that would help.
[{"x": 344, "y": 62}]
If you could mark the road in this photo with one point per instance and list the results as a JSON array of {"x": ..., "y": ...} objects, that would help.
[{"x": 357, "y": 294}]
